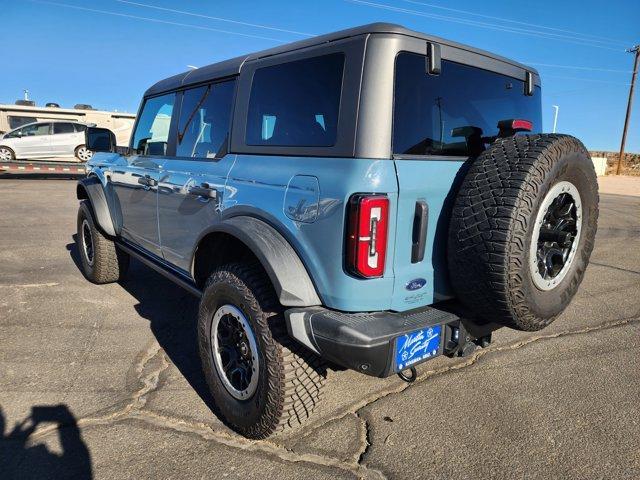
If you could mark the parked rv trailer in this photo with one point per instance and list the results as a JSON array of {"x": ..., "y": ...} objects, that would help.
[{"x": 14, "y": 116}]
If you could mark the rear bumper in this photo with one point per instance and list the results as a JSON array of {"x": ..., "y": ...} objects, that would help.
[{"x": 365, "y": 342}]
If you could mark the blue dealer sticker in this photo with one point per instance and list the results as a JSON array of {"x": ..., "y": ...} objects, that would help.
[{"x": 417, "y": 346}]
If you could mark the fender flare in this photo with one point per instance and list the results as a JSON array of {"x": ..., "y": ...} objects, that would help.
[
  {"x": 91, "y": 188},
  {"x": 287, "y": 273}
]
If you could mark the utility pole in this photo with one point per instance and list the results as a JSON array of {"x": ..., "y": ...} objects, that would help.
[
  {"x": 555, "y": 117},
  {"x": 635, "y": 50}
]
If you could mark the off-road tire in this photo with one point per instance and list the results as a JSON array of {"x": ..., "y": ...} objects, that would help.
[
  {"x": 110, "y": 264},
  {"x": 291, "y": 378},
  {"x": 492, "y": 227}
]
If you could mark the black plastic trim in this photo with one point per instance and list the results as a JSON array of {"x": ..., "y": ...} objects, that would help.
[
  {"x": 98, "y": 200},
  {"x": 285, "y": 269},
  {"x": 361, "y": 341},
  {"x": 434, "y": 61},
  {"x": 528, "y": 84},
  {"x": 164, "y": 269},
  {"x": 419, "y": 234}
]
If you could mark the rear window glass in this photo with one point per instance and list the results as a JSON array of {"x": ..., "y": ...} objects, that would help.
[
  {"x": 296, "y": 104},
  {"x": 457, "y": 112}
]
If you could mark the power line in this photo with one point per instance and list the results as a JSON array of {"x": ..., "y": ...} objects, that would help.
[
  {"x": 155, "y": 20},
  {"x": 502, "y": 28},
  {"x": 490, "y": 26},
  {"x": 576, "y": 67},
  {"x": 565, "y": 93},
  {"x": 491, "y": 17},
  {"x": 582, "y": 79},
  {"x": 221, "y": 19}
]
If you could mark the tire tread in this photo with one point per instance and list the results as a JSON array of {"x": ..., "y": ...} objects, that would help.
[
  {"x": 110, "y": 264},
  {"x": 296, "y": 376},
  {"x": 489, "y": 223}
]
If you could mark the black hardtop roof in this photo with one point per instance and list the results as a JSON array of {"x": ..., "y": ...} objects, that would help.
[{"x": 232, "y": 66}]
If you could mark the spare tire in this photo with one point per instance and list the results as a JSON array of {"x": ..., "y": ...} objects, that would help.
[{"x": 522, "y": 229}]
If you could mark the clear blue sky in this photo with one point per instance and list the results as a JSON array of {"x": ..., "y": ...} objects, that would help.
[{"x": 70, "y": 55}]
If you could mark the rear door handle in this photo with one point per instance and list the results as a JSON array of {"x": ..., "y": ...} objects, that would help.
[
  {"x": 204, "y": 190},
  {"x": 419, "y": 235}
]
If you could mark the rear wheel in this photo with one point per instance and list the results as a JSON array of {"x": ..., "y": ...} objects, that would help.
[
  {"x": 261, "y": 381},
  {"x": 102, "y": 261},
  {"x": 522, "y": 229},
  {"x": 6, "y": 154},
  {"x": 83, "y": 154}
]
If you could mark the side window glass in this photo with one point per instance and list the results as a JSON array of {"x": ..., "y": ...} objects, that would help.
[
  {"x": 63, "y": 128},
  {"x": 15, "y": 134},
  {"x": 36, "y": 130},
  {"x": 152, "y": 132},
  {"x": 80, "y": 127},
  {"x": 296, "y": 104},
  {"x": 203, "y": 126}
]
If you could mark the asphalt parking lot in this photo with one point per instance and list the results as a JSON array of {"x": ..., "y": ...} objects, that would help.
[{"x": 104, "y": 381}]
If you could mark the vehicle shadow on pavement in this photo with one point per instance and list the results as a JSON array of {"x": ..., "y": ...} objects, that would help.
[
  {"x": 23, "y": 459},
  {"x": 172, "y": 314}
]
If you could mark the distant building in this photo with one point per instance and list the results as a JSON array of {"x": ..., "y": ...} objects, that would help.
[{"x": 23, "y": 112}]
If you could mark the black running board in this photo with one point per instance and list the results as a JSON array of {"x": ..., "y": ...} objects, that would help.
[{"x": 165, "y": 271}]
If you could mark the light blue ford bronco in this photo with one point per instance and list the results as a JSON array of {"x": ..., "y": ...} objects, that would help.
[{"x": 368, "y": 199}]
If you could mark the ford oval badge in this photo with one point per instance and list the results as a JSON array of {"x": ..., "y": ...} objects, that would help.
[{"x": 415, "y": 284}]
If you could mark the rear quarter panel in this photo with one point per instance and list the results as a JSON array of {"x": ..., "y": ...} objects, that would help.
[{"x": 317, "y": 236}]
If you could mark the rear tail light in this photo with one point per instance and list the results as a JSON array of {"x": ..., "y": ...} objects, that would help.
[{"x": 367, "y": 235}]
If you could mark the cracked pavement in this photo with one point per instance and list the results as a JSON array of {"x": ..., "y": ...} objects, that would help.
[{"x": 104, "y": 381}]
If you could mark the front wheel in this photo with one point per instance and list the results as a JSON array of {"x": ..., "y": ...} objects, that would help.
[
  {"x": 6, "y": 154},
  {"x": 83, "y": 154},
  {"x": 260, "y": 380},
  {"x": 102, "y": 261}
]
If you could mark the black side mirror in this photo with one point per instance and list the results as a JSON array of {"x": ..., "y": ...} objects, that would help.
[{"x": 100, "y": 139}]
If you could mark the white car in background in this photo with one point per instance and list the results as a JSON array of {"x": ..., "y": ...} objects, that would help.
[{"x": 40, "y": 140}]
